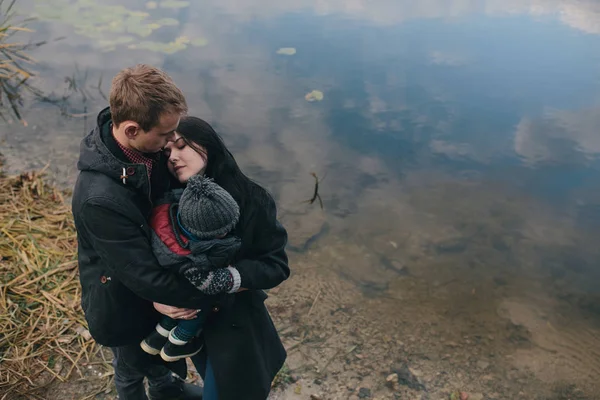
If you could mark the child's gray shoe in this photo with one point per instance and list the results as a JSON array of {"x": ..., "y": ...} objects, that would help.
[
  {"x": 155, "y": 341},
  {"x": 176, "y": 349}
]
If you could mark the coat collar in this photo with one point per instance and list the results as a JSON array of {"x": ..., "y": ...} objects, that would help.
[{"x": 99, "y": 152}]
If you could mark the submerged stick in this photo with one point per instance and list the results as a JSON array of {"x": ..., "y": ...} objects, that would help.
[
  {"x": 316, "y": 194},
  {"x": 314, "y": 302}
]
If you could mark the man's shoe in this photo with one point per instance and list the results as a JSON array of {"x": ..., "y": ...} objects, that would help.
[
  {"x": 178, "y": 390},
  {"x": 155, "y": 341},
  {"x": 176, "y": 349}
]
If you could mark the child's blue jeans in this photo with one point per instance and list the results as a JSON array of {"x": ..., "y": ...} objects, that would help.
[{"x": 189, "y": 327}]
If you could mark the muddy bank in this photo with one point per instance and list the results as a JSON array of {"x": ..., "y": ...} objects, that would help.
[{"x": 344, "y": 345}]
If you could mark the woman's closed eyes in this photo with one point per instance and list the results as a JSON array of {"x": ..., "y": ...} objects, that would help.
[{"x": 179, "y": 144}]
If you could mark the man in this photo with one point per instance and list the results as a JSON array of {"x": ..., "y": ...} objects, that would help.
[{"x": 121, "y": 172}]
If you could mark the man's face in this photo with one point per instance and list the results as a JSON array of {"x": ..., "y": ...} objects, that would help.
[{"x": 156, "y": 138}]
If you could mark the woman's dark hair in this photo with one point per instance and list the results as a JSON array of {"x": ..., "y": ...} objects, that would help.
[{"x": 220, "y": 163}]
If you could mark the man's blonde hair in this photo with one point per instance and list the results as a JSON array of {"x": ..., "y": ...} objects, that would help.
[{"x": 141, "y": 94}]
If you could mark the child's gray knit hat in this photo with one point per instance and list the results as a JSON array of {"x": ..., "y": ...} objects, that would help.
[{"x": 206, "y": 210}]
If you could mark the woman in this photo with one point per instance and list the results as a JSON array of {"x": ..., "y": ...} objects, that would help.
[{"x": 242, "y": 351}]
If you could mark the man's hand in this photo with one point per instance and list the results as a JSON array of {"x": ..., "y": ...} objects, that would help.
[{"x": 176, "y": 313}]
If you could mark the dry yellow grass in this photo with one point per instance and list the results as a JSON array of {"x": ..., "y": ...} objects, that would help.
[
  {"x": 14, "y": 61},
  {"x": 42, "y": 329}
]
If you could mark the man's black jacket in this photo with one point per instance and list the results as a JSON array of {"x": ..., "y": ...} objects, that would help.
[{"x": 119, "y": 274}]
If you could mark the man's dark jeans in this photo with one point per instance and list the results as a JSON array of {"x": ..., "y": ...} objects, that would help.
[{"x": 131, "y": 366}]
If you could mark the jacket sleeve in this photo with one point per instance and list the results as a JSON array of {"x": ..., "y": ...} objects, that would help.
[
  {"x": 125, "y": 249},
  {"x": 269, "y": 265}
]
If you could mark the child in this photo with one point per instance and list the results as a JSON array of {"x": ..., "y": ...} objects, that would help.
[{"x": 191, "y": 237}]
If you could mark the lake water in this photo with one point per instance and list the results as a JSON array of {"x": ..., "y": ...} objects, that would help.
[{"x": 458, "y": 140}]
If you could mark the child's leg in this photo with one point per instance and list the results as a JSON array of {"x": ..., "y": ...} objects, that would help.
[
  {"x": 180, "y": 344},
  {"x": 167, "y": 323},
  {"x": 187, "y": 329}
]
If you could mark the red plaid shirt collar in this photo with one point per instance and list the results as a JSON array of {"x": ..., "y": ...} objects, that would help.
[{"x": 138, "y": 158}]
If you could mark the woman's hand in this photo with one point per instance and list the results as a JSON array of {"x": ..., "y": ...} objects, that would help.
[
  {"x": 175, "y": 312},
  {"x": 220, "y": 280}
]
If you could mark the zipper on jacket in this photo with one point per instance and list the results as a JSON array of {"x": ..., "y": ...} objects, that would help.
[
  {"x": 149, "y": 188},
  {"x": 148, "y": 181}
]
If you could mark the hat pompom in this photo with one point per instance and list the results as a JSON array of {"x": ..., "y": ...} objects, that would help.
[{"x": 200, "y": 186}]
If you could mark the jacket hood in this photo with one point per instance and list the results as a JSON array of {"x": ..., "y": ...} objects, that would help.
[{"x": 95, "y": 156}]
